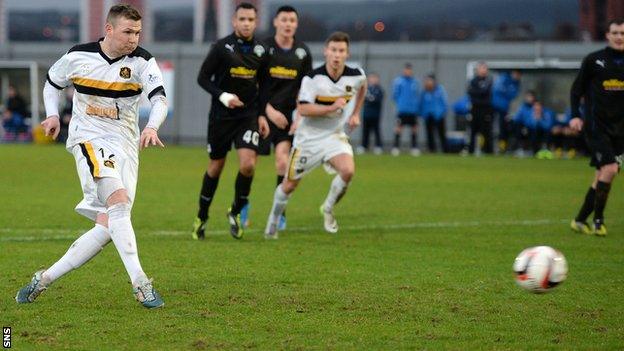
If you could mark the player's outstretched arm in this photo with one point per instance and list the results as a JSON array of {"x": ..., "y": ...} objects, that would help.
[
  {"x": 317, "y": 110},
  {"x": 307, "y": 97},
  {"x": 263, "y": 126},
  {"x": 354, "y": 120},
  {"x": 295, "y": 123},
  {"x": 51, "y": 125},
  {"x": 149, "y": 136},
  {"x": 230, "y": 100},
  {"x": 276, "y": 117},
  {"x": 158, "y": 114},
  {"x": 579, "y": 87},
  {"x": 208, "y": 69}
]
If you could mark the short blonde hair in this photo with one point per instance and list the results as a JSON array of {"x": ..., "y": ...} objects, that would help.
[{"x": 122, "y": 10}]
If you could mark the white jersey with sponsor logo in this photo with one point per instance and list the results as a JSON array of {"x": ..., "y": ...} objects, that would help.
[
  {"x": 107, "y": 92},
  {"x": 319, "y": 88}
]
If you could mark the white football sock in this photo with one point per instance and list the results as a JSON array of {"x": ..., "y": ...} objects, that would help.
[
  {"x": 124, "y": 239},
  {"x": 280, "y": 200},
  {"x": 337, "y": 189},
  {"x": 80, "y": 252}
]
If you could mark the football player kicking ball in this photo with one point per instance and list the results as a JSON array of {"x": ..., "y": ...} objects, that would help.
[
  {"x": 329, "y": 97},
  {"x": 109, "y": 77}
]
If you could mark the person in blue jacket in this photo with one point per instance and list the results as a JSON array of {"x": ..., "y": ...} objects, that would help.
[
  {"x": 462, "y": 106},
  {"x": 505, "y": 89},
  {"x": 433, "y": 107},
  {"x": 14, "y": 116},
  {"x": 405, "y": 93},
  {"x": 517, "y": 121},
  {"x": 13, "y": 124},
  {"x": 536, "y": 129},
  {"x": 543, "y": 120}
]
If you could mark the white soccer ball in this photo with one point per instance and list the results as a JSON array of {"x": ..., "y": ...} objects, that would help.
[{"x": 539, "y": 269}]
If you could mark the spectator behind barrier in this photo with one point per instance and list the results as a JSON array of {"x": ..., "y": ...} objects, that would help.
[
  {"x": 371, "y": 114},
  {"x": 433, "y": 106},
  {"x": 480, "y": 91},
  {"x": 517, "y": 121},
  {"x": 14, "y": 117},
  {"x": 505, "y": 89},
  {"x": 566, "y": 141},
  {"x": 533, "y": 130},
  {"x": 405, "y": 93}
]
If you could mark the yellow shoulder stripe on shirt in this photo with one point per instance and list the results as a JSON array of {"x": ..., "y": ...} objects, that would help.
[
  {"x": 104, "y": 85},
  {"x": 332, "y": 99}
]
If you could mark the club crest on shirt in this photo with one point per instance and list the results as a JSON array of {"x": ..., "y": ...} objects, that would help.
[
  {"x": 125, "y": 72},
  {"x": 301, "y": 53},
  {"x": 109, "y": 163},
  {"x": 258, "y": 50},
  {"x": 348, "y": 88},
  {"x": 85, "y": 69}
]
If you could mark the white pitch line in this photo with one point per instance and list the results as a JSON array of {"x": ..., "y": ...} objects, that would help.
[{"x": 71, "y": 234}]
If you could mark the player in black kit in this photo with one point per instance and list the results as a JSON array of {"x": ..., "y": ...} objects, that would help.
[
  {"x": 289, "y": 62},
  {"x": 235, "y": 74},
  {"x": 600, "y": 82}
]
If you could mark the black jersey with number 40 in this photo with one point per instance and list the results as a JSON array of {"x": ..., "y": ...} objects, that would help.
[
  {"x": 601, "y": 82},
  {"x": 286, "y": 69}
]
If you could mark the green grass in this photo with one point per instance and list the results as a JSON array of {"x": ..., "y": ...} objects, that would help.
[{"x": 422, "y": 261}]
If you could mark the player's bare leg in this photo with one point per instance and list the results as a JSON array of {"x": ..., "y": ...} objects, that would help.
[
  {"x": 606, "y": 175},
  {"x": 345, "y": 166}
]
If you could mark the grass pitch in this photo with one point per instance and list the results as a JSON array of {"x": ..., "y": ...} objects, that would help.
[{"x": 422, "y": 260}]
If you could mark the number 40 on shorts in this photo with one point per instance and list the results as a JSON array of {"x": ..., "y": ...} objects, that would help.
[{"x": 251, "y": 137}]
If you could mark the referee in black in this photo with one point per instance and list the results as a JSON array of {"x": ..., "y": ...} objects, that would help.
[
  {"x": 600, "y": 82},
  {"x": 235, "y": 74}
]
